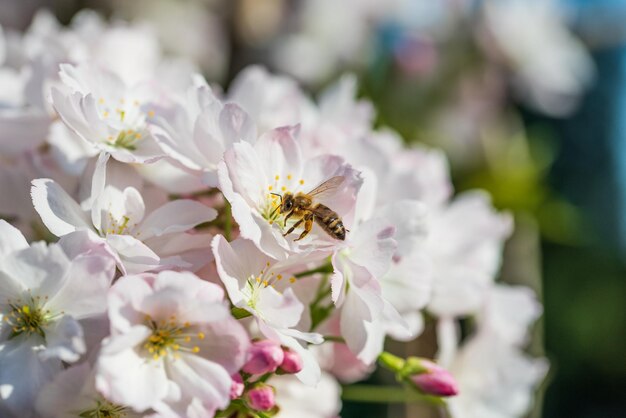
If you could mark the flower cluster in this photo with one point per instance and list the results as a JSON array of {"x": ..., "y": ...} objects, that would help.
[{"x": 229, "y": 254}]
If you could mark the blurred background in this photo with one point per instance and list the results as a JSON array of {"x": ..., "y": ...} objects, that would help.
[{"x": 526, "y": 97}]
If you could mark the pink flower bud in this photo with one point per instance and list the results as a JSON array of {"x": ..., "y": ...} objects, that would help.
[
  {"x": 435, "y": 380},
  {"x": 263, "y": 357},
  {"x": 261, "y": 398},
  {"x": 237, "y": 386},
  {"x": 292, "y": 362}
]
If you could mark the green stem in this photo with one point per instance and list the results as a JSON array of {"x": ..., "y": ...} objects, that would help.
[
  {"x": 239, "y": 313},
  {"x": 387, "y": 394},
  {"x": 391, "y": 362},
  {"x": 325, "y": 268},
  {"x": 322, "y": 292},
  {"x": 228, "y": 221},
  {"x": 334, "y": 339}
]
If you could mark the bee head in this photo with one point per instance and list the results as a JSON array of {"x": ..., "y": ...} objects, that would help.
[{"x": 287, "y": 203}]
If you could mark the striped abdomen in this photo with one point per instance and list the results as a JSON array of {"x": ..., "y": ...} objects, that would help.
[{"x": 329, "y": 221}]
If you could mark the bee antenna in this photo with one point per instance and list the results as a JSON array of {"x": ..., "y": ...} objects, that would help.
[{"x": 277, "y": 207}]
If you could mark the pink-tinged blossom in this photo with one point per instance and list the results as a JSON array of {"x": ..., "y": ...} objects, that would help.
[
  {"x": 237, "y": 387},
  {"x": 494, "y": 379},
  {"x": 140, "y": 241},
  {"x": 47, "y": 291},
  {"x": 173, "y": 345},
  {"x": 462, "y": 238},
  {"x": 336, "y": 358},
  {"x": 275, "y": 100},
  {"x": 435, "y": 380},
  {"x": 263, "y": 357},
  {"x": 260, "y": 285},
  {"x": 292, "y": 362},
  {"x": 407, "y": 286},
  {"x": 465, "y": 242},
  {"x": 270, "y": 100},
  {"x": 250, "y": 174},
  {"x": 195, "y": 133},
  {"x": 509, "y": 311},
  {"x": 261, "y": 397},
  {"x": 73, "y": 393},
  {"x": 356, "y": 288},
  {"x": 102, "y": 110}
]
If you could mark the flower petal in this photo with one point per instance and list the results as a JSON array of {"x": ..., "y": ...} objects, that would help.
[
  {"x": 58, "y": 211},
  {"x": 11, "y": 239},
  {"x": 175, "y": 216},
  {"x": 22, "y": 375},
  {"x": 64, "y": 340}
]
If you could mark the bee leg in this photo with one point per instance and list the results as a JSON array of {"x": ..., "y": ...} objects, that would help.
[
  {"x": 308, "y": 225},
  {"x": 297, "y": 224},
  {"x": 287, "y": 217}
]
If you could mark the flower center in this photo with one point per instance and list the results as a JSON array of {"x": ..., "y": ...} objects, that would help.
[
  {"x": 126, "y": 115},
  {"x": 264, "y": 279},
  {"x": 27, "y": 316},
  {"x": 170, "y": 337},
  {"x": 105, "y": 409},
  {"x": 118, "y": 227},
  {"x": 270, "y": 207},
  {"x": 125, "y": 139}
]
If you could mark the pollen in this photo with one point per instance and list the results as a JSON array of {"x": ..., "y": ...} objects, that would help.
[
  {"x": 105, "y": 114},
  {"x": 28, "y": 316},
  {"x": 288, "y": 176},
  {"x": 301, "y": 181},
  {"x": 279, "y": 277},
  {"x": 292, "y": 279},
  {"x": 104, "y": 408},
  {"x": 270, "y": 188},
  {"x": 101, "y": 100},
  {"x": 169, "y": 337},
  {"x": 151, "y": 113},
  {"x": 283, "y": 188},
  {"x": 277, "y": 177}
]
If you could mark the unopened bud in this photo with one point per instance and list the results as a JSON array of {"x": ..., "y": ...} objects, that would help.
[
  {"x": 292, "y": 362},
  {"x": 261, "y": 398},
  {"x": 435, "y": 380},
  {"x": 237, "y": 386},
  {"x": 263, "y": 357}
]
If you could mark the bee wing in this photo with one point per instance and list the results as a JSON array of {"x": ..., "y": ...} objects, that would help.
[{"x": 327, "y": 187}]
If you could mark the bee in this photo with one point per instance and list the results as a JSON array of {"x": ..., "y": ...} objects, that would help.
[{"x": 302, "y": 206}]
